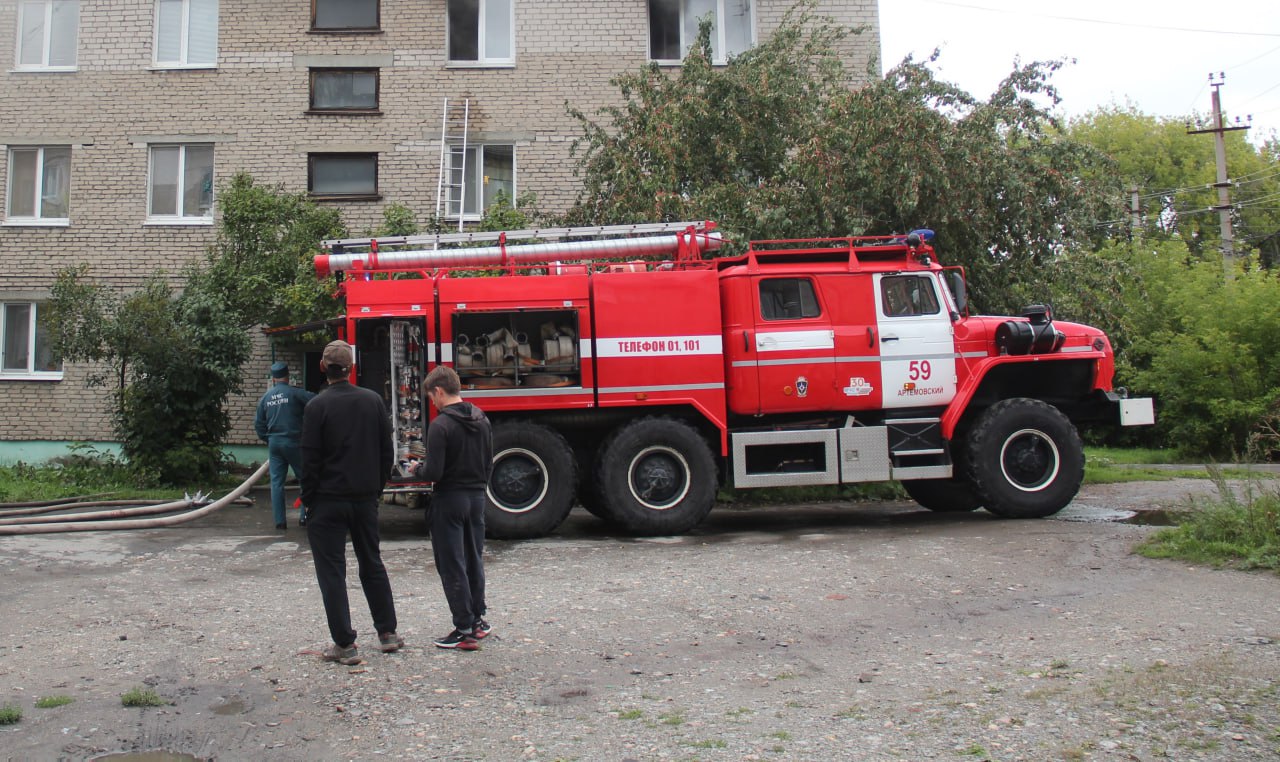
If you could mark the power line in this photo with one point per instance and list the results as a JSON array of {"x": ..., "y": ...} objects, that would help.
[
  {"x": 1101, "y": 21},
  {"x": 1255, "y": 58}
]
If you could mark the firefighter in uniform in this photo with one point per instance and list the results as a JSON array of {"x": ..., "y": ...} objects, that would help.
[{"x": 279, "y": 424}]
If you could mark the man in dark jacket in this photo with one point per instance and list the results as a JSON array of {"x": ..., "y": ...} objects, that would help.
[
  {"x": 346, "y": 460},
  {"x": 459, "y": 460},
  {"x": 278, "y": 422}
]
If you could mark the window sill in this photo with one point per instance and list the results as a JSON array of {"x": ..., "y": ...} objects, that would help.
[
  {"x": 322, "y": 197},
  {"x": 44, "y": 70},
  {"x": 343, "y": 112},
  {"x": 352, "y": 30},
  {"x": 52, "y": 222},
  {"x": 675, "y": 64},
  {"x": 480, "y": 65},
  {"x": 43, "y": 375},
  {"x": 178, "y": 221},
  {"x": 182, "y": 67}
]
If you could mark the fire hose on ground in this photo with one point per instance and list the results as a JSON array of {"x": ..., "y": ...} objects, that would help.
[{"x": 103, "y": 520}]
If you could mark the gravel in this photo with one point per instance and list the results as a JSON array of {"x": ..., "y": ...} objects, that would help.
[{"x": 864, "y": 631}]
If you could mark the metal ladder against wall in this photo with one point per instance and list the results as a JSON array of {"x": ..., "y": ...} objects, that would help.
[{"x": 451, "y": 186}]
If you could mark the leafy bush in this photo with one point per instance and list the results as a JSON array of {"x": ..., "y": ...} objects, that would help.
[
  {"x": 141, "y": 697},
  {"x": 10, "y": 714}
]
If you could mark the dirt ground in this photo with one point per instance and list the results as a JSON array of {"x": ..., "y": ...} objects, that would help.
[{"x": 871, "y": 631}]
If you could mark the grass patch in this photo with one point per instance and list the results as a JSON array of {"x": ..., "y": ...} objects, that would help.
[
  {"x": 141, "y": 697},
  {"x": 10, "y": 714},
  {"x": 88, "y": 471},
  {"x": 675, "y": 718},
  {"x": 49, "y": 702},
  {"x": 1236, "y": 532},
  {"x": 630, "y": 714},
  {"x": 710, "y": 743}
]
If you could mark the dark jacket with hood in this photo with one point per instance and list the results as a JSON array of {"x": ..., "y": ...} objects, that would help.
[{"x": 459, "y": 449}]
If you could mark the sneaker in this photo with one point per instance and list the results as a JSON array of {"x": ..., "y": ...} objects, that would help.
[
  {"x": 481, "y": 629},
  {"x": 282, "y": 526},
  {"x": 389, "y": 641},
  {"x": 341, "y": 654},
  {"x": 463, "y": 641}
]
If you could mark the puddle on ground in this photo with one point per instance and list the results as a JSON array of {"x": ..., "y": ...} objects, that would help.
[
  {"x": 1160, "y": 518},
  {"x": 157, "y": 755},
  {"x": 230, "y": 706}
]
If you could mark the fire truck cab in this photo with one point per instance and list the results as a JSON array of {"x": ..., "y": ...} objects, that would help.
[{"x": 626, "y": 370}]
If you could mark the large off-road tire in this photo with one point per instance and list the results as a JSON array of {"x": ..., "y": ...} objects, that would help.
[
  {"x": 657, "y": 476},
  {"x": 943, "y": 495},
  {"x": 533, "y": 483},
  {"x": 1025, "y": 459}
]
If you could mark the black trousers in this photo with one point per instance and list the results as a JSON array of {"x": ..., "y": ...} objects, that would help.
[
  {"x": 328, "y": 524},
  {"x": 457, "y": 542}
]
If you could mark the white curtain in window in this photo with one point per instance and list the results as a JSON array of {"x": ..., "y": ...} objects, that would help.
[
  {"x": 499, "y": 174},
  {"x": 695, "y": 11},
  {"x": 23, "y": 170},
  {"x": 17, "y": 334},
  {"x": 197, "y": 183},
  {"x": 169, "y": 31},
  {"x": 31, "y": 34},
  {"x": 165, "y": 161},
  {"x": 202, "y": 32},
  {"x": 55, "y": 187},
  {"x": 498, "y": 34},
  {"x": 62, "y": 37},
  {"x": 45, "y": 359},
  {"x": 737, "y": 27}
]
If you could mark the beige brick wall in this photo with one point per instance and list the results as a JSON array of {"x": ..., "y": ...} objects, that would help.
[{"x": 252, "y": 107}]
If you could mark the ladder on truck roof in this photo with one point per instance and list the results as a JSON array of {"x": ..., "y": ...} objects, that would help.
[
  {"x": 686, "y": 242},
  {"x": 451, "y": 183},
  {"x": 340, "y": 245}
]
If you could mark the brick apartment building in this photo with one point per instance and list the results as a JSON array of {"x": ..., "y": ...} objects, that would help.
[{"x": 120, "y": 118}]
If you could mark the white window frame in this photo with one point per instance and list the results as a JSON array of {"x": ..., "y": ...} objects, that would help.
[
  {"x": 30, "y": 374},
  {"x": 180, "y": 218},
  {"x": 717, "y": 41},
  {"x": 46, "y": 41},
  {"x": 481, "y": 36},
  {"x": 184, "y": 40},
  {"x": 475, "y": 180},
  {"x": 36, "y": 220}
]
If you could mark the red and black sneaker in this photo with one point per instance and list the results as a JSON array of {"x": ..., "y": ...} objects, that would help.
[
  {"x": 481, "y": 629},
  {"x": 463, "y": 641}
]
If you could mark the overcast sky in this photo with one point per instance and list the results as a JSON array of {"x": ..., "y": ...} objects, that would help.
[{"x": 1155, "y": 54}]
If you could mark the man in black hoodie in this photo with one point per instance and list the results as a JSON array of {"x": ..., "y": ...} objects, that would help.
[
  {"x": 346, "y": 460},
  {"x": 459, "y": 460}
]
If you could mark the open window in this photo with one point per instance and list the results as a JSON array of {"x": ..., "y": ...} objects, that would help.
[{"x": 908, "y": 295}]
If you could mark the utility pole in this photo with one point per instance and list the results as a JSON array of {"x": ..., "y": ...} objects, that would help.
[
  {"x": 1223, "y": 184},
  {"x": 1135, "y": 213}
]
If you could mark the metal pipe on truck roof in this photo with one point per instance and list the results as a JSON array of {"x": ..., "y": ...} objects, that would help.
[{"x": 517, "y": 254}]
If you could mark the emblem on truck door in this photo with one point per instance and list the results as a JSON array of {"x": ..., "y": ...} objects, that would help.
[
  {"x": 802, "y": 386},
  {"x": 858, "y": 387}
]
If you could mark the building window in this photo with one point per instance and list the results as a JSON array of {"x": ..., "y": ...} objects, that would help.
[
  {"x": 25, "y": 350},
  {"x": 482, "y": 31},
  {"x": 673, "y": 27},
  {"x": 489, "y": 170},
  {"x": 180, "y": 185},
  {"x": 186, "y": 33},
  {"x": 344, "y": 89},
  {"x": 788, "y": 299},
  {"x": 39, "y": 185},
  {"x": 345, "y": 15},
  {"x": 47, "y": 31},
  {"x": 343, "y": 175}
]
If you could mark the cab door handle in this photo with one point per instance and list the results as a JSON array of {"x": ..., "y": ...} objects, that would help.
[
  {"x": 746, "y": 341},
  {"x": 871, "y": 336},
  {"x": 883, "y": 339}
]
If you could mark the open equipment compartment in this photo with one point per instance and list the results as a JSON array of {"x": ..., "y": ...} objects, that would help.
[
  {"x": 517, "y": 348},
  {"x": 391, "y": 362}
]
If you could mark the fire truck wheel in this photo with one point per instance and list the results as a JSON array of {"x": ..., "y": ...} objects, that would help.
[
  {"x": 943, "y": 495},
  {"x": 657, "y": 476},
  {"x": 534, "y": 478},
  {"x": 1025, "y": 459}
]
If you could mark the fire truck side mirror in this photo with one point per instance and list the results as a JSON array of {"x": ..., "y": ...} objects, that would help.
[{"x": 959, "y": 294}]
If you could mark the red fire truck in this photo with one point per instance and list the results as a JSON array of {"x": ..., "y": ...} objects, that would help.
[{"x": 630, "y": 370}]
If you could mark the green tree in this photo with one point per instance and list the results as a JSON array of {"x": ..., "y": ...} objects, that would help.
[
  {"x": 775, "y": 144},
  {"x": 1174, "y": 171},
  {"x": 176, "y": 356}
]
